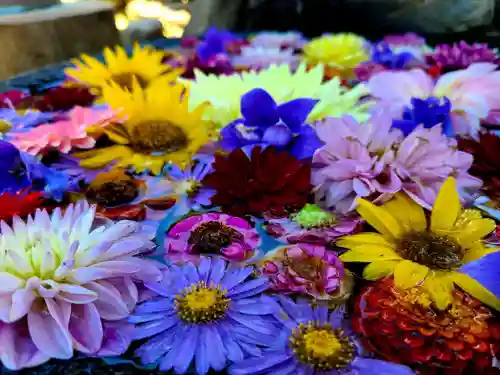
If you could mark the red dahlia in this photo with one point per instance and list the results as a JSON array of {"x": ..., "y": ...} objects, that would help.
[
  {"x": 486, "y": 165},
  {"x": 19, "y": 204},
  {"x": 63, "y": 99},
  {"x": 268, "y": 182},
  {"x": 402, "y": 326}
]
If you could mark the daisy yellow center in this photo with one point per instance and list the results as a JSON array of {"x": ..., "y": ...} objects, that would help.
[
  {"x": 188, "y": 186},
  {"x": 5, "y": 126},
  {"x": 212, "y": 236},
  {"x": 113, "y": 193},
  {"x": 431, "y": 250},
  {"x": 125, "y": 80},
  {"x": 202, "y": 304},
  {"x": 321, "y": 347},
  {"x": 159, "y": 136}
]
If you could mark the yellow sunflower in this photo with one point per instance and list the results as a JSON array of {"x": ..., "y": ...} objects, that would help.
[
  {"x": 158, "y": 129},
  {"x": 422, "y": 252},
  {"x": 144, "y": 65}
]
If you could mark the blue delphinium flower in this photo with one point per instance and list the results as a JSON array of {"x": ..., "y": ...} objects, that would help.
[
  {"x": 383, "y": 54},
  {"x": 214, "y": 43},
  {"x": 13, "y": 176},
  {"x": 313, "y": 342},
  {"x": 209, "y": 313},
  {"x": 266, "y": 123},
  {"x": 427, "y": 112}
]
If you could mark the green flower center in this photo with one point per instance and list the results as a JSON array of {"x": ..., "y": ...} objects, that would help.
[{"x": 311, "y": 216}]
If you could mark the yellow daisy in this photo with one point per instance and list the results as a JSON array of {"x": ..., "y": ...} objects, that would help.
[
  {"x": 144, "y": 65},
  {"x": 222, "y": 94},
  {"x": 340, "y": 53},
  {"x": 423, "y": 252},
  {"x": 158, "y": 129}
]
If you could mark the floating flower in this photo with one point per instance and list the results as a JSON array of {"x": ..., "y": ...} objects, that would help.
[
  {"x": 64, "y": 135},
  {"x": 470, "y": 91},
  {"x": 264, "y": 122},
  {"x": 159, "y": 128},
  {"x": 341, "y": 53},
  {"x": 61, "y": 279},
  {"x": 308, "y": 270},
  {"x": 423, "y": 252},
  {"x": 312, "y": 225},
  {"x": 274, "y": 39},
  {"x": 218, "y": 65},
  {"x": 13, "y": 122},
  {"x": 214, "y": 43},
  {"x": 221, "y": 94},
  {"x": 71, "y": 166},
  {"x": 207, "y": 314},
  {"x": 21, "y": 203},
  {"x": 402, "y": 326},
  {"x": 315, "y": 342},
  {"x": 409, "y": 42},
  {"x": 211, "y": 234},
  {"x": 13, "y": 176},
  {"x": 252, "y": 57},
  {"x": 143, "y": 66},
  {"x": 63, "y": 99},
  {"x": 427, "y": 112},
  {"x": 461, "y": 55},
  {"x": 267, "y": 182}
]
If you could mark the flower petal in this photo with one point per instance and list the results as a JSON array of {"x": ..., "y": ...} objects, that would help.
[
  {"x": 378, "y": 270},
  {"x": 440, "y": 286},
  {"x": 295, "y": 112},
  {"x": 409, "y": 274},
  {"x": 86, "y": 328},
  {"x": 367, "y": 366},
  {"x": 410, "y": 214},
  {"x": 379, "y": 218},
  {"x": 447, "y": 207},
  {"x": 476, "y": 290},
  {"x": 277, "y": 135},
  {"x": 370, "y": 253},
  {"x": 259, "y": 109}
]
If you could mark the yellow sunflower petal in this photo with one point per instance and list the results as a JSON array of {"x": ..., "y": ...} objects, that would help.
[
  {"x": 356, "y": 240},
  {"x": 409, "y": 274},
  {"x": 378, "y": 270},
  {"x": 379, "y": 218},
  {"x": 474, "y": 231},
  {"x": 99, "y": 158},
  {"x": 477, "y": 251},
  {"x": 440, "y": 286},
  {"x": 369, "y": 253},
  {"x": 447, "y": 207},
  {"x": 410, "y": 214},
  {"x": 476, "y": 290}
]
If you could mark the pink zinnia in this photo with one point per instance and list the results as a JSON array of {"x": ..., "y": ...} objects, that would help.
[
  {"x": 473, "y": 93},
  {"x": 211, "y": 234},
  {"x": 64, "y": 135},
  {"x": 307, "y": 269}
]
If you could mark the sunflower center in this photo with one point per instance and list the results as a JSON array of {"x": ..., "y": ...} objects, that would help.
[
  {"x": 202, "y": 304},
  {"x": 311, "y": 216},
  {"x": 212, "y": 236},
  {"x": 113, "y": 193},
  {"x": 321, "y": 347},
  {"x": 431, "y": 250},
  {"x": 125, "y": 80},
  {"x": 159, "y": 136}
]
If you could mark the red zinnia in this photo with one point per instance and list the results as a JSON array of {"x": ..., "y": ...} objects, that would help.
[
  {"x": 63, "y": 99},
  {"x": 19, "y": 204},
  {"x": 269, "y": 182},
  {"x": 486, "y": 165},
  {"x": 402, "y": 326}
]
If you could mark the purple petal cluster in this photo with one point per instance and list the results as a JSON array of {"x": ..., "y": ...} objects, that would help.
[{"x": 462, "y": 54}]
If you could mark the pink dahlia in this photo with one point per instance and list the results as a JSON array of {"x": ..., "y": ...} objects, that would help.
[
  {"x": 460, "y": 55},
  {"x": 64, "y": 281},
  {"x": 355, "y": 161},
  {"x": 64, "y": 135},
  {"x": 211, "y": 233},
  {"x": 312, "y": 225},
  {"x": 306, "y": 269},
  {"x": 472, "y": 93}
]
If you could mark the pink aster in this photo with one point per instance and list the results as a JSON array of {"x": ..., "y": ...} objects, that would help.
[
  {"x": 306, "y": 269},
  {"x": 64, "y": 281},
  {"x": 354, "y": 161},
  {"x": 211, "y": 233},
  {"x": 64, "y": 135},
  {"x": 473, "y": 93}
]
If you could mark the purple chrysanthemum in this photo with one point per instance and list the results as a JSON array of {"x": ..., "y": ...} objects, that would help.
[
  {"x": 460, "y": 55},
  {"x": 211, "y": 234},
  {"x": 313, "y": 342},
  {"x": 210, "y": 314}
]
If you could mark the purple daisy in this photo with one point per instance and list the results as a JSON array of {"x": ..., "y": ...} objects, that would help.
[
  {"x": 211, "y": 233},
  {"x": 313, "y": 342},
  {"x": 208, "y": 314}
]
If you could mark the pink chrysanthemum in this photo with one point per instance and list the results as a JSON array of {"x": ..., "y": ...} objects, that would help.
[
  {"x": 306, "y": 269},
  {"x": 473, "y": 93},
  {"x": 372, "y": 161},
  {"x": 62, "y": 281},
  {"x": 66, "y": 134},
  {"x": 211, "y": 234},
  {"x": 460, "y": 55}
]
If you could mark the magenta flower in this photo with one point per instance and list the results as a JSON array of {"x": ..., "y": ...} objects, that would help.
[
  {"x": 355, "y": 161},
  {"x": 63, "y": 280},
  {"x": 306, "y": 269},
  {"x": 472, "y": 93},
  {"x": 211, "y": 234},
  {"x": 460, "y": 55}
]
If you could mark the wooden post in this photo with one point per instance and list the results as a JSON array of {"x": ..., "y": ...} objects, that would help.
[{"x": 41, "y": 37}]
